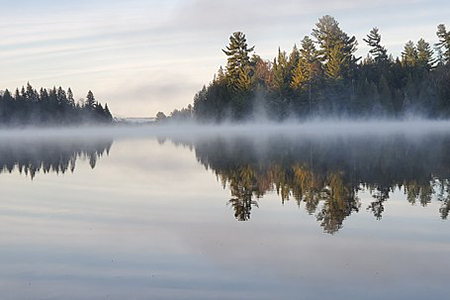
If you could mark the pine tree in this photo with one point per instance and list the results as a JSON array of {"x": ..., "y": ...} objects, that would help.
[
  {"x": 444, "y": 42},
  {"x": 330, "y": 38},
  {"x": 409, "y": 54},
  {"x": 424, "y": 54},
  {"x": 373, "y": 40},
  {"x": 333, "y": 69},
  {"x": 300, "y": 76},
  {"x": 308, "y": 50},
  {"x": 306, "y": 68},
  {"x": 245, "y": 81},
  {"x": 238, "y": 54}
]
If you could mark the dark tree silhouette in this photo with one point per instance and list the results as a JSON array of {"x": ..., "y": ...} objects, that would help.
[{"x": 49, "y": 107}]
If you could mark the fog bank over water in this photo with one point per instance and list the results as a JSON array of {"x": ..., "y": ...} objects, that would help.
[{"x": 319, "y": 128}]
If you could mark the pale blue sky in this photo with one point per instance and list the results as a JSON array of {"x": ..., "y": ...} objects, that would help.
[{"x": 145, "y": 56}]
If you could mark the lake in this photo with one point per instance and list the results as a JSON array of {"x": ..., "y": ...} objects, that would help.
[{"x": 312, "y": 211}]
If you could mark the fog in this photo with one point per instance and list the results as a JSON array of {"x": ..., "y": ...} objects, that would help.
[{"x": 314, "y": 128}]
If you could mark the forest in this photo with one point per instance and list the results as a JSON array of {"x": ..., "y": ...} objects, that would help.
[
  {"x": 55, "y": 106},
  {"x": 322, "y": 76}
]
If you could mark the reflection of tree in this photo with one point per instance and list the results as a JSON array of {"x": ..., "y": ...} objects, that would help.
[
  {"x": 49, "y": 155},
  {"x": 339, "y": 202},
  {"x": 381, "y": 195},
  {"x": 243, "y": 185},
  {"x": 443, "y": 195},
  {"x": 327, "y": 174}
]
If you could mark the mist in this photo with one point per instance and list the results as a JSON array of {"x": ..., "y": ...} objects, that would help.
[{"x": 313, "y": 128}]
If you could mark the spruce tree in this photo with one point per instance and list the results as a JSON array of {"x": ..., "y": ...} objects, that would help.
[
  {"x": 61, "y": 96},
  {"x": 70, "y": 99},
  {"x": 107, "y": 114},
  {"x": 31, "y": 94},
  {"x": 90, "y": 101}
]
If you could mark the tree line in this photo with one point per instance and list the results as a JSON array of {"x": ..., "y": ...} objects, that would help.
[
  {"x": 28, "y": 106},
  {"x": 323, "y": 77}
]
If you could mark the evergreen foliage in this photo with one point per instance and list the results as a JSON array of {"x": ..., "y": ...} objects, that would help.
[
  {"x": 444, "y": 42},
  {"x": 323, "y": 77},
  {"x": 378, "y": 51},
  {"x": 49, "y": 107}
]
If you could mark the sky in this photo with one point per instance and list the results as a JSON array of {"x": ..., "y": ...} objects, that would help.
[{"x": 145, "y": 56}]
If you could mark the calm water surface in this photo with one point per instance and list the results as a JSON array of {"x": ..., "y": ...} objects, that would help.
[{"x": 224, "y": 215}]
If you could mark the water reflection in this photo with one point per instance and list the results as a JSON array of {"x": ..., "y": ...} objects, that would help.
[
  {"x": 32, "y": 155},
  {"x": 325, "y": 176}
]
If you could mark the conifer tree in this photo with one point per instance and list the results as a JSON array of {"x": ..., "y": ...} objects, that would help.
[
  {"x": 409, "y": 54},
  {"x": 48, "y": 106},
  {"x": 378, "y": 52},
  {"x": 220, "y": 75},
  {"x": 61, "y": 97},
  {"x": 336, "y": 61},
  {"x": 294, "y": 58},
  {"x": 306, "y": 68},
  {"x": 90, "y": 101},
  {"x": 444, "y": 42},
  {"x": 238, "y": 54},
  {"x": 70, "y": 99},
  {"x": 107, "y": 113},
  {"x": 281, "y": 72},
  {"x": 331, "y": 39},
  {"x": 31, "y": 94},
  {"x": 244, "y": 82},
  {"x": 424, "y": 54},
  {"x": 43, "y": 95}
]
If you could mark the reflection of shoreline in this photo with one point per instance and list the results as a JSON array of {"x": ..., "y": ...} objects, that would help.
[
  {"x": 326, "y": 174},
  {"x": 32, "y": 156}
]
